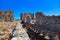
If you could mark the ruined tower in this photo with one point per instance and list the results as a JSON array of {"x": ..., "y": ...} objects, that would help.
[{"x": 6, "y": 16}]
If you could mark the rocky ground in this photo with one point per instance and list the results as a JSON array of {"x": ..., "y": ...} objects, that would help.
[
  {"x": 12, "y": 31},
  {"x": 19, "y": 33}
]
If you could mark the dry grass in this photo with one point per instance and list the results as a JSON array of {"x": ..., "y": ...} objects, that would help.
[{"x": 4, "y": 28}]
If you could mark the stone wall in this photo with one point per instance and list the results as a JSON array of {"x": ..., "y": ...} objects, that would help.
[
  {"x": 6, "y": 16},
  {"x": 27, "y": 17}
]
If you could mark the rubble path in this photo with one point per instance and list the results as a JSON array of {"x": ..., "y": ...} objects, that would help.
[{"x": 19, "y": 33}]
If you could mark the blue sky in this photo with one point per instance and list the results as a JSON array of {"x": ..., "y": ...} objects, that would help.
[{"x": 49, "y": 7}]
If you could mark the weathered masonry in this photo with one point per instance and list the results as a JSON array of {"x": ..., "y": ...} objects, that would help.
[{"x": 6, "y": 16}]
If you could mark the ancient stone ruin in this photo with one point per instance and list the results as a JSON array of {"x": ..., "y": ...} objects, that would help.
[{"x": 6, "y": 16}]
